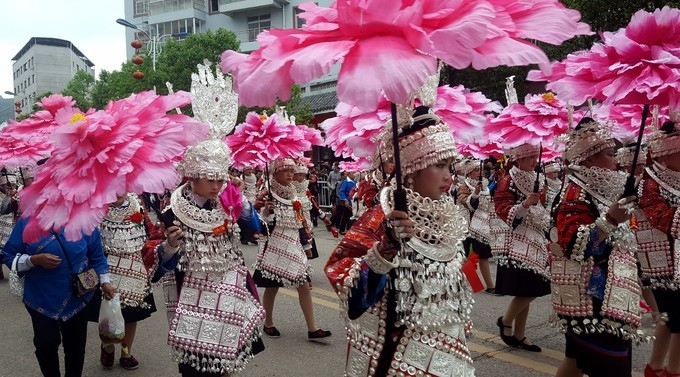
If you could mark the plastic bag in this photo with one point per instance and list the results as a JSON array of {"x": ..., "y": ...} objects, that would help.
[{"x": 111, "y": 322}]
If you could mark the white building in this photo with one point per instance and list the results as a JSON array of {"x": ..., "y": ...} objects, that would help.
[
  {"x": 46, "y": 64},
  {"x": 246, "y": 18}
]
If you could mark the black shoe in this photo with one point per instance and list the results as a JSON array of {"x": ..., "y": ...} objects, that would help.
[
  {"x": 492, "y": 291},
  {"x": 244, "y": 242},
  {"x": 318, "y": 334},
  {"x": 519, "y": 343},
  {"x": 271, "y": 332},
  {"x": 507, "y": 339}
]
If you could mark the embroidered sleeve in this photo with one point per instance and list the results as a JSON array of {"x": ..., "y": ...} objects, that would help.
[
  {"x": 575, "y": 222},
  {"x": 504, "y": 200},
  {"x": 657, "y": 210},
  {"x": 347, "y": 268}
]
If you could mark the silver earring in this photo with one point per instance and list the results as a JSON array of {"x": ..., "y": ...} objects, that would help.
[{"x": 409, "y": 182}]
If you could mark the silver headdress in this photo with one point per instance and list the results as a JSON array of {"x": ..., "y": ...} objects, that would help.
[
  {"x": 665, "y": 141},
  {"x": 216, "y": 104},
  {"x": 522, "y": 151},
  {"x": 587, "y": 139},
  {"x": 427, "y": 145}
]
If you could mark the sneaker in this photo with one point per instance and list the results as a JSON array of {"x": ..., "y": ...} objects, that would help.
[
  {"x": 129, "y": 363},
  {"x": 107, "y": 358},
  {"x": 318, "y": 334},
  {"x": 271, "y": 332}
]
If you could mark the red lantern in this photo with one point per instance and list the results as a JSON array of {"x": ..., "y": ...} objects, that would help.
[
  {"x": 17, "y": 104},
  {"x": 137, "y": 60},
  {"x": 138, "y": 75},
  {"x": 136, "y": 43},
  {"x": 18, "y": 111}
]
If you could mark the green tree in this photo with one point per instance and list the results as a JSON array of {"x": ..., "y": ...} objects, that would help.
[
  {"x": 178, "y": 60},
  {"x": 80, "y": 88}
]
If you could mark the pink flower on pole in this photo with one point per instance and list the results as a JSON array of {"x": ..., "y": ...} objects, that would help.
[
  {"x": 129, "y": 147},
  {"x": 261, "y": 139},
  {"x": 639, "y": 64},
  {"x": 538, "y": 120},
  {"x": 390, "y": 47}
]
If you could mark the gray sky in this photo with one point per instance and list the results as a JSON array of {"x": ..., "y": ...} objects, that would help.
[{"x": 89, "y": 24}]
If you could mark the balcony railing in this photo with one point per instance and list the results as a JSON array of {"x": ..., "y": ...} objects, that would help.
[
  {"x": 249, "y": 35},
  {"x": 166, "y": 6},
  {"x": 234, "y": 6}
]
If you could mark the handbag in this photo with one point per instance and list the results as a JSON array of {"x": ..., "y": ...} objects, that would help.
[
  {"x": 16, "y": 283},
  {"x": 81, "y": 283}
]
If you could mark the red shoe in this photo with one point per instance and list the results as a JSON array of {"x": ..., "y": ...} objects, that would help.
[
  {"x": 649, "y": 372},
  {"x": 335, "y": 232},
  {"x": 106, "y": 358},
  {"x": 129, "y": 363}
]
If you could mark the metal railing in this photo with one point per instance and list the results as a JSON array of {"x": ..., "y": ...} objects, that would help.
[
  {"x": 249, "y": 35},
  {"x": 167, "y": 6}
]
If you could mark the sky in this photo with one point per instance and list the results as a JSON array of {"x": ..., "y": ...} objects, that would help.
[{"x": 89, "y": 24}]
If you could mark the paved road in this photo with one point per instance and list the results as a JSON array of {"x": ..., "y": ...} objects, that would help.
[{"x": 293, "y": 355}]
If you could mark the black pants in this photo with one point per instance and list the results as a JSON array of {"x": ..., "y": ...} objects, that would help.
[
  {"x": 49, "y": 333},
  {"x": 247, "y": 232},
  {"x": 342, "y": 217}
]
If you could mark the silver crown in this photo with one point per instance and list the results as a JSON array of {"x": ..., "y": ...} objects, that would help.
[{"x": 214, "y": 103}]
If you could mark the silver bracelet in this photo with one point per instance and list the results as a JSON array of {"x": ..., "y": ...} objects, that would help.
[
  {"x": 605, "y": 225},
  {"x": 377, "y": 263}
]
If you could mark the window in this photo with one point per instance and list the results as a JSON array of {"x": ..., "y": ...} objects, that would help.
[
  {"x": 297, "y": 21},
  {"x": 213, "y": 6},
  {"x": 141, "y": 8},
  {"x": 257, "y": 24}
]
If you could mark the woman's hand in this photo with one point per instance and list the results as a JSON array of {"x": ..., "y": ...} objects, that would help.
[
  {"x": 46, "y": 260},
  {"x": 621, "y": 211},
  {"x": 478, "y": 189},
  {"x": 173, "y": 234},
  {"x": 108, "y": 291},
  {"x": 402, "y": 227},
  {"x": 269, "y": 206},
  {"x": 533, "y": 199}
]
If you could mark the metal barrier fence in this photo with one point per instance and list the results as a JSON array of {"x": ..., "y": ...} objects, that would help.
[{"x": 324, "y": 192}]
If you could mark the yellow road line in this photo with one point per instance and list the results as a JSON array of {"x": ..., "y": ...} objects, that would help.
[{"x": 512, "y": 358}]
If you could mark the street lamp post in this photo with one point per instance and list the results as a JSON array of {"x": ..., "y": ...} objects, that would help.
[{"x": 154, "y": 45}]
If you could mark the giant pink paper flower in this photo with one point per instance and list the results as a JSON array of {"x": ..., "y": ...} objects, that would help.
[
  {"x": 128, "y": 147},
  {"x": 538, "y": 120},
  {"x": 639, "y": 64},
  {"x": 261, "y": 139},
  {"x": 627, "y": 119},
  {"x": 361, "y": 164},
  {"x": 392, "y": 46},
  {"x": 353, "y": 131},
  {"x": 17, "y": 152},
  {"x": 28, "y": 141},
  {"x": 464, "y": 111},
  {"x": 41, "y": 123}
]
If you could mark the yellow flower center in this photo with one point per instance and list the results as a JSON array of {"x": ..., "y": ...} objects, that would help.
[
  {"x": 548, "y": 97},
  {"x": 77, "y": 117},
  {"x": 263, "y": 117}
]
